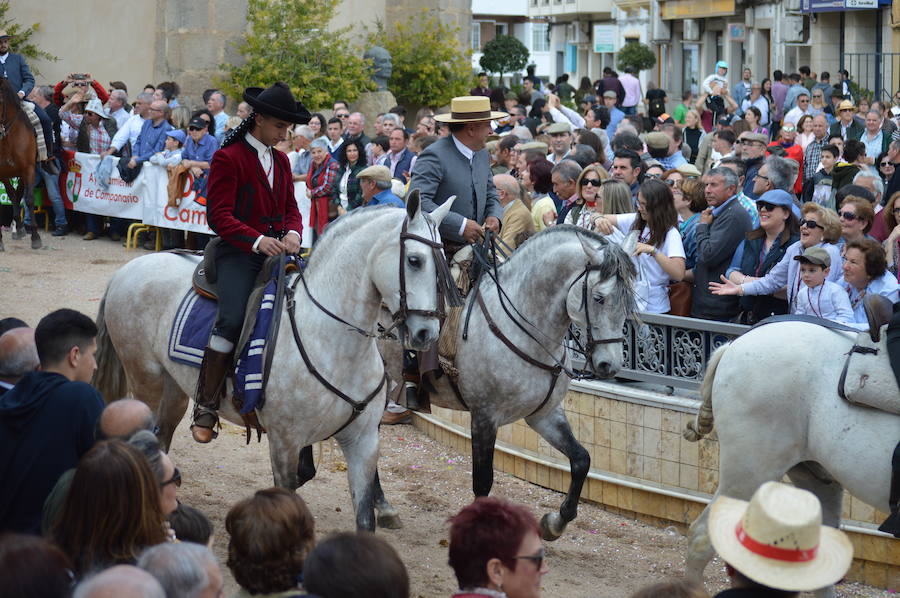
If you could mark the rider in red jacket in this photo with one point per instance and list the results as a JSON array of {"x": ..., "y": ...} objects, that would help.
[{"x": 251, "y": 206}]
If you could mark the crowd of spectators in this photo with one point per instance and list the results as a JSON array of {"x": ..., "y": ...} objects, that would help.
[
  {"x": 90, "y": 508},
  {"x": 757, "y": 176}
]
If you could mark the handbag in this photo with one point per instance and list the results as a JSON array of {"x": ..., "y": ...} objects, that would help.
[{"x": 680, "y": 298}]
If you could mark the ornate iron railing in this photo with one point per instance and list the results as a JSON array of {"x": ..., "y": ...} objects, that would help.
[{"x": 667, "y": 350}]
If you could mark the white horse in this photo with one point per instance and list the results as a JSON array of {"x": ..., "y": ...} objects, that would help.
[
  {"x": 355, "y": 266},
  {"x": 563, "y": 276},
  {"x": 777, "y": 411}
]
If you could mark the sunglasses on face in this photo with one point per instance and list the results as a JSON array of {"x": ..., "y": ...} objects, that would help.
[
  {"x": 848, "y": 216},
  {"x": 764, "y": 205},
  {"x": 175, "y": 479},
  {"x": 194, "y": 129},
  {"x": 592, "y": 182},
  {"x": 811, "y": 224},
  {"x": 537, "y": 559},
  {"x": 895, "y": 211},
  {"x": 883, "y": 164},
  {"x": 788, "y": 129},
  {"x": 342, "y": 115}
]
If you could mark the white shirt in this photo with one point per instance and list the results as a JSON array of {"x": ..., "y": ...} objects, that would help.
[
  {"x": 828, "y": 300},
  {"x": 121, "y": 115},
  {"x": 127, "y": 132},
  {"x": 762, "y": 104},
  {"x": 648, "y": 268},
  {"x": 794, "y": 115},
  {"x": 266, "y": 160}
]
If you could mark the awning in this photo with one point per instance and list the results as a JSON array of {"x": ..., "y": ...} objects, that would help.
[{"x": 695, "y": 9}]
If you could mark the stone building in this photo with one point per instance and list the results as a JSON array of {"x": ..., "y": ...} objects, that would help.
[{"x": 179, "y": 40}]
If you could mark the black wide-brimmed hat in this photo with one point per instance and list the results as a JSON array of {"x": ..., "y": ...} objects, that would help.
[{"x": 277, "y": 101}]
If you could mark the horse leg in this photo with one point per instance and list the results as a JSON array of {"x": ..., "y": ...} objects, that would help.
[
  {"x": 813, "y": 477},
  {"x": 28, "y": 196},
  {"x": 173, "y": 403},
  {"x": 484, "y": 437},
  {"x": 700, "y": 550},
  {"x": 306, "y": 466},
  {"x": 15, "y": 198},
  {"x": 361, "y": 451},
  {"x": 554, "y": 428},
  {"x": 388, "y": 517},
  {"x": 284, "y": 454}
]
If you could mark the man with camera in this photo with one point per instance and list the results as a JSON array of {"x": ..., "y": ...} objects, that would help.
[{"x": 15, "y": 70}]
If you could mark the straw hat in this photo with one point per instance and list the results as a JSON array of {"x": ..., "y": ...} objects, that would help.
[
  {"x": 470, "y": 109},
  {"x": 846, "y": 105},
  {"x": 778, "y": 540},
  {"x": 97, "y": 108}
]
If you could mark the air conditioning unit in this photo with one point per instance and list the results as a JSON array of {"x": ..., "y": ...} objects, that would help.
[
  {"x": 574, "y": 33},
  {"x": 792, "y": 29},
  {"x": 659, "y": 29},
  {"x": 691, "y": 30},
  {"x": 792, "y": 5}
]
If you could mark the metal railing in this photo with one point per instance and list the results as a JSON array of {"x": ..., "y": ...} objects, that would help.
[
  {"x": 876, "y": 74},
  {"x": 667, "y": 350}
]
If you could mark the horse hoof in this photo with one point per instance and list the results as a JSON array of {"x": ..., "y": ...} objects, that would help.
[
  {"x": 18, "y": 235},
  {"x": 552, "y": 527},
  {"x": 389, "y": 521},
  {"x": 2, "y": 248},
  {"x": 36, "y": 243}
]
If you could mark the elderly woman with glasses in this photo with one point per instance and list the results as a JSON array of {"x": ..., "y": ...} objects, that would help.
[
  {"x": 763, "y": 248},
  {"x": 819, "y": 227},
  {"x": 857, "y": 216},
  {"x": 495, "y": 550},
  {"x": 866, "y": 273}
]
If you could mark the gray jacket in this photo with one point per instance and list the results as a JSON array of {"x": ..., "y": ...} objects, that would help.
[
  {"x": 441, "y": 171},
  {"x": 716, "y": 244}
]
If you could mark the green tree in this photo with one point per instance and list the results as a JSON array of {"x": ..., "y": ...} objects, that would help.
[
  {"x": 430, "y": 67},
  {"x": 289, "y": 41},
  {"x": 504, "y": 54},
  {"x": 637, "y": 55},
  {"x": 20, "y": 35}
]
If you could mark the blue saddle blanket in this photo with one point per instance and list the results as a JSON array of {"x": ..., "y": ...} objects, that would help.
[{"x": 190, "y": 334}]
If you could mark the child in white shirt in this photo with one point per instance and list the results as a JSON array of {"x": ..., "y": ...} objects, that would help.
[
  {"x": 170, "y": 157},
  {"x": 819, "y": 297}
]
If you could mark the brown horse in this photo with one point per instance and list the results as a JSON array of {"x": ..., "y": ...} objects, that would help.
[{"x": 18, "y": 159}]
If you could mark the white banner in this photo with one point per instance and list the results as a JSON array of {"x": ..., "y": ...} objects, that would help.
[{"x": 143, "y": 199}]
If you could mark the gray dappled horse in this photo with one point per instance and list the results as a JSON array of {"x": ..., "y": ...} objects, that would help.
[
  {"x": 562, "y": 276},
  {"x": 355, "y": 266},
  {"x": 773, "y": 394}
]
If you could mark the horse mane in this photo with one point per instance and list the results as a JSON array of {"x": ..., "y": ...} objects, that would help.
[
  {"x": 615, "y": 261},
  {"x": 8, "y": 94}
]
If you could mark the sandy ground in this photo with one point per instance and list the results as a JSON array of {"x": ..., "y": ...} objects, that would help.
[{"x": 600, "y": 555}]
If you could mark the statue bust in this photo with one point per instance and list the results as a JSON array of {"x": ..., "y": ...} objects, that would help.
[{"x": 381, "y": 66}]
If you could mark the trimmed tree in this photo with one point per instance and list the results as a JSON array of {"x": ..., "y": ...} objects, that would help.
[
  {"x": 20, "y": 35},
  {"x": 504, "y": 54},
  {"x": 636, "y": 55},
  {"x": 429, "y": 66},
  {"x": 289, "y": 40}
]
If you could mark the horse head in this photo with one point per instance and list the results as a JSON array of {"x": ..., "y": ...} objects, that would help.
[
  {"x": 411, "y": 271},
  {"x": 600, "y": 300}
]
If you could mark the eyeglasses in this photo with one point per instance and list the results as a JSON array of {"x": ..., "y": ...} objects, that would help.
[
  {"x": 764, "y": 205},
  {"x": 883, "y": 164},
  {"x": 762, "y": 176},
  {"x": 749, "y": 142},
  {"x": 818, "y": 96},
  {"x": 788, "y": 129},
  {"x": 537, "y": 559},
  {"x": 651, "y": 176},
  {"x": 848, "y": 216},
  {"x": 802, "y": 100},
  {"x": 592, "y": 182},
  {"x": 194, "y": 129},
  {"x": 675, "y": 184},
  {"x": 343, "y": 115},
  {"x": 811, "y": 224},
  {"x": 175, "y": 479}
]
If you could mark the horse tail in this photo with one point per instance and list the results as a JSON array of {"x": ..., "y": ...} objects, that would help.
[
  {"x": 109, "y": 378},
  {"x": 703, "y": 425}
]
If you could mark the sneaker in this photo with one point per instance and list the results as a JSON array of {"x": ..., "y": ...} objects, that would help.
[
  {"x": 89, "y": 236},
  {"x": 392, "y": 419},
  {"x": 61, "y": 231}
]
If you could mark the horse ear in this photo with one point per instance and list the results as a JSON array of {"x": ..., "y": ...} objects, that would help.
[
  {"x": 594, "y": 253},
  {"x": 630, "y": 242},
  {"x": 442, "y": 210},
  {"x": 412, "y": 204}
]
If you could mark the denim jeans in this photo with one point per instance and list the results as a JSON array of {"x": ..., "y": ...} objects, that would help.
[{"x": 51, "y": 183}]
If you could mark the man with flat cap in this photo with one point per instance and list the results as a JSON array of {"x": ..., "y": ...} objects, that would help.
[
  {"x": 458, "y": 165},
  {"x": 251, "y": 206},
  {"x": 375, "y": 184}
]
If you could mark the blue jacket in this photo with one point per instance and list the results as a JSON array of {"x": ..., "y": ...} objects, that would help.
[
  {"x": 150, "y": 140},
  {"x": 16, "y": 71},
  {"x": 47, "y": 423},
  {"x": 386, "y": 198}
]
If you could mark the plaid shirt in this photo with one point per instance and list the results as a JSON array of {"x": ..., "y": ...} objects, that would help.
[
  {"x": 812, "y": 157},
  {"x": 98, "y": 138},
  {"x": 322, "y": 178}
]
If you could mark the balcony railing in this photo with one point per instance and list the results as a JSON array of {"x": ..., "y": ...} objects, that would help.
[{"x": 667, "y": 350}]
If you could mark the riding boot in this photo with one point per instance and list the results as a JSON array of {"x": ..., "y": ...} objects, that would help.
[
  {"x": 891, "y": 525},
  {"x": 892, "y": 341},
  {"x": 417, "y": 398},
  {"x": 210, "y": 390}
]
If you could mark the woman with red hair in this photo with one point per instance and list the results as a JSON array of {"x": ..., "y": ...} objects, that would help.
[{"x": 495, "y": 550}]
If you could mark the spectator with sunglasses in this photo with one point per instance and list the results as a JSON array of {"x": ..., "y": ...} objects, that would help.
[
  {"x": 856, "y": 216},
  {"x": 891, "y": 216},
  {"x": 495, "y": 549},
  {"x": 590, "y": 199},
  {"x": 819, "y": 227},
  {"x": 763, "y": 248},
  {"x": 866, "y": 273}
]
